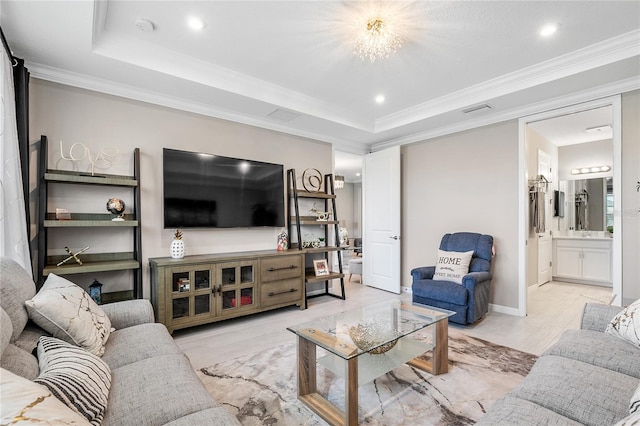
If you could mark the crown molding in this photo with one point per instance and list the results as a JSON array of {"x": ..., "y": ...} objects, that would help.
[
  {"x": 615, "y": 88},
  {"x": 615, "y": 49},
  {"x": 186, "y": 67},
  {"x": 60, "y": 76}
]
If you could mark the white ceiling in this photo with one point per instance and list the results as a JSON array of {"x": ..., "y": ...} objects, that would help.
[{"x": 254, "y": 58}]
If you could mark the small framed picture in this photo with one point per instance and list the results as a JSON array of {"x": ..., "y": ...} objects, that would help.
[{"x": 320, "y": 267}]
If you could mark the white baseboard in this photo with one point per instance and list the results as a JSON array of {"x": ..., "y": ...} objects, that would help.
[{"x": 503, "y": 309}]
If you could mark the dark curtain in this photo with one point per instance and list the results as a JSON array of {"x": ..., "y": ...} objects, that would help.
[{"x": 21, "y": 87}]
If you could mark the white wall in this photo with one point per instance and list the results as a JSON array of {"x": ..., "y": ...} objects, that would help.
[
  {"x": 629, "y": 207},
  {"x": 463, "y": 182},
  {"x": 97, "y": 120}
]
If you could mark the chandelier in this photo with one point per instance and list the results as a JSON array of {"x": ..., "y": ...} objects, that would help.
[
  {"x": 339, "y": 182},
  {"x": 377, "y": 41}
]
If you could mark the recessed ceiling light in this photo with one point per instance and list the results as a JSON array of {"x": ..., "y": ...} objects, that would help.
[
  {"x": 548, "y": 30},
  {"x": 380, "y": 99},
  {"x": 144, "y": 25},
  {"x": 195, "y": 23}
]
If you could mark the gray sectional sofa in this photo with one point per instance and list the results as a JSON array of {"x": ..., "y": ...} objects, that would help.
[
  {"x": 587, "y": 378},
  {"x": 152, "y": 381}
]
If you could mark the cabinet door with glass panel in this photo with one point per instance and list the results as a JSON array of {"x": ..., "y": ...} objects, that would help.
[
  {"x": 236, "y": 287},
  {"x": 192, "y": 295}
]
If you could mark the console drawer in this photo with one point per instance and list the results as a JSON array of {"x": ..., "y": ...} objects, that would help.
[
  {"x": 281, "y": 267},
  {"x": 287, "y": 291}
]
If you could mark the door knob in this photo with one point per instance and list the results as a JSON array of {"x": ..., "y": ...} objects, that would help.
[{"x": 395, "y": 237}]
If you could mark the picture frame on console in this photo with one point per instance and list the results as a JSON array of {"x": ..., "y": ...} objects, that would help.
[{"x": 320, "y": 267}]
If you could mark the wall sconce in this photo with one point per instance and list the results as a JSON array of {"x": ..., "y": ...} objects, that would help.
[
  {"x": 339, "y": 182},
  {"x": 586, "y": 170}
]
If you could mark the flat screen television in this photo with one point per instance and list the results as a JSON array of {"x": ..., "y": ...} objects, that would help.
[{"x": 211, "y": 191}]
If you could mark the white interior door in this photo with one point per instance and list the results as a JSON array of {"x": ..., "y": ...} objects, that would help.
[
  {"x": 544, "y": 239},
  {"x": 381, "y": 219}
]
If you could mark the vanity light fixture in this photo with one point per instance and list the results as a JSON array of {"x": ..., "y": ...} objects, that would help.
[{"x": 594, "y": 169}]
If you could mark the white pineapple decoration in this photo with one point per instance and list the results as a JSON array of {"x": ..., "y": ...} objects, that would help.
[{"x": 177, "y": 245}]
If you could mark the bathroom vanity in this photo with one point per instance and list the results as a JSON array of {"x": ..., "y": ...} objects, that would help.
[{"x": 583, "y": 257}]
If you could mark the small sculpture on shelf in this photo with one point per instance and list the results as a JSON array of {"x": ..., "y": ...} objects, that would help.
[
  {"x": 177, "y": 245},
  {"x": 312, "y": 180},
  {"x": 116, "y": 206},
  {"x": 311, "y": 241},
  {"x": 72, "y": 255},
  {"x": 320, "y": 215},
  {"x": 343, "y": 235}
]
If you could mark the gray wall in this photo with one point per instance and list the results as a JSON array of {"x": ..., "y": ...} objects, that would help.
[
  {"x": 463, "y": 182},
  {"x": 73, "y": 115},
  {"x": 469, "y": 182}
]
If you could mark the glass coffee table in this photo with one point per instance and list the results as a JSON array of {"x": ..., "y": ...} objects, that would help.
[{"x": 363, "y": 344}]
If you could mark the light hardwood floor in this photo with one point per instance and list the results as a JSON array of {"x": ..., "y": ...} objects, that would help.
[{"x": 553, "y": 308}]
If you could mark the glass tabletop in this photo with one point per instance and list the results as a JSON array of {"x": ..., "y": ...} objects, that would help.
[{"x": 369, "y": 329}]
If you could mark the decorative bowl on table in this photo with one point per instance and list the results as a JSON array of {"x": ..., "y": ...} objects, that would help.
[{"x": 370, "y": 335}]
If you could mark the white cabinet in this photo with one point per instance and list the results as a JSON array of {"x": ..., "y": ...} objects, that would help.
[{"x": 582, "y": 259}]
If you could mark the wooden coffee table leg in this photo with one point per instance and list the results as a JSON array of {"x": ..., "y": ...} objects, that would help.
[
  {"x": 351, "y": 392},
  {"x": 306, "y": 367},
  {"x": 308, "y": 392},
  {"x": 440, "y": 352}
]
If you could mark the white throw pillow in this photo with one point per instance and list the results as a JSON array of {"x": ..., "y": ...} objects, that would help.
[
  {"x": 27, "y": 403},
  {"x": 76, "y": 377},
  {"x": 626, "y": 325},
  {"x": 630, "y": 420},
  {"x": 634, "y": 405},
  {"x": 452, "y": 265},
  {"x": 68, "y": 312}
]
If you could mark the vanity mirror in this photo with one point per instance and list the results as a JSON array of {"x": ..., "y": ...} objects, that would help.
[{"x": 588, "y": 204}]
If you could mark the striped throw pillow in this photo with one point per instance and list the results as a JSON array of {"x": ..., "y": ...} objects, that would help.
[{"x": 75, "y": 376}]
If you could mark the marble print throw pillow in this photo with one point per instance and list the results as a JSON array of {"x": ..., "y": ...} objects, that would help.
[
  {"x": 626, "y": 325},
  {"x": 67, "y": 312},
  {"x": 452, "y": 265},
  {"x": 27, "y": 403}
]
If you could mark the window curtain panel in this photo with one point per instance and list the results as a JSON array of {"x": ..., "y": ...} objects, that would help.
[{"x": 13, "y": 220}]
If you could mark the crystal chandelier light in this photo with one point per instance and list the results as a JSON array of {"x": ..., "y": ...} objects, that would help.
[{"x": 377, "y": 41}]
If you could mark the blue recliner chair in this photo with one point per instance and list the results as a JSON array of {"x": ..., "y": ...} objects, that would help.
[{"x": 470, "y": 300}]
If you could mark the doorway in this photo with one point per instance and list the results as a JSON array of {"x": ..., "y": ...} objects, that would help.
[{"x": 529, "y": 128}]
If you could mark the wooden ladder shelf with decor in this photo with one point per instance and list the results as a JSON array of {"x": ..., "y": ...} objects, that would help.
[{"x": 329, "y": 226}]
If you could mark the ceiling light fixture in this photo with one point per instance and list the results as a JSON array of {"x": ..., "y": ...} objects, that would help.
[
  {"x": 195, "y": 23},
  {"x": 595, "y": 169},
  {"x": 377, "y": 39},
  {"x": 339, "y": 182},
  {"x": 380, "y": 99},
  {"x": 548, "y": 30}
]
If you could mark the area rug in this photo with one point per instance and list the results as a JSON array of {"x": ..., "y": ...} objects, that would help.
[{"x": 260, "y": 389}]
